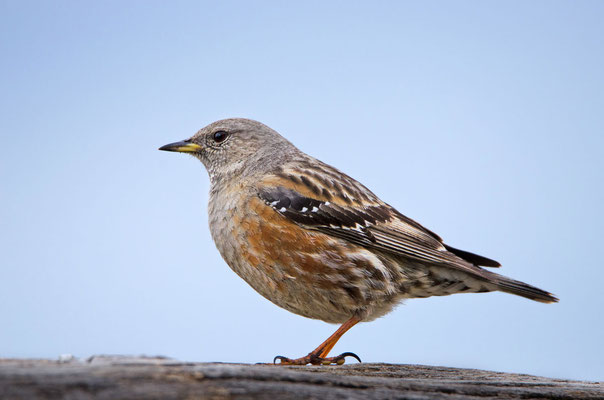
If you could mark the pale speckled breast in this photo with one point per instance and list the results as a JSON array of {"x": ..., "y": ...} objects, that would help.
[{"x": 306, "y": 272}]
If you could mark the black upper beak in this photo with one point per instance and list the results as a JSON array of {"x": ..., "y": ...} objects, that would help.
[{"x": 182, "y": 147}]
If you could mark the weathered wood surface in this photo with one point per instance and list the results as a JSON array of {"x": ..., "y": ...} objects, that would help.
[{"x": 157, "y": 378}]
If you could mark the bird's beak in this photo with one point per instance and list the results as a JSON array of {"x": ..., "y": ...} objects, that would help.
[{"x": 181, "y": 147}]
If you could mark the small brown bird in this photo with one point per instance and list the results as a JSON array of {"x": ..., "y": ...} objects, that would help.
[{"x": 316, "y": 242}]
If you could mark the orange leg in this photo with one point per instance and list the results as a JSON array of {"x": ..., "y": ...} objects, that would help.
[{"x": 319, "y": 355}]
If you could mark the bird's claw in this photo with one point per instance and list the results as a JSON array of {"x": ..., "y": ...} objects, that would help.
[
  {"x": 343, "y": 356},
  {"x": 282, "y": 360},
  {"x": 315, "y": 360}
]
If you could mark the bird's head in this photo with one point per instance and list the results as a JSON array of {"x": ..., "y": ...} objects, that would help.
[{"x": 235, "y": 147}]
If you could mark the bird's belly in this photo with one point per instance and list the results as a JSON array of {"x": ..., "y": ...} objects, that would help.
[{"x": 303, "y": 271}]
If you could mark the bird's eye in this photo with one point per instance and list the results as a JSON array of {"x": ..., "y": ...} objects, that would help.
[{"x": 220, "y": 136}]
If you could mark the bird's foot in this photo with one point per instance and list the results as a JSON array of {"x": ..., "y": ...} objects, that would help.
[{"x": 314, "y": 359}]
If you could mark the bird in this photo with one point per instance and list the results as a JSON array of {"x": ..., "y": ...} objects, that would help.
[{"x": 318, "y": 243}]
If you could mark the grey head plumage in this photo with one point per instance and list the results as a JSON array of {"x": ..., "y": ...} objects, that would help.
[{"x": 236, "y": 147}]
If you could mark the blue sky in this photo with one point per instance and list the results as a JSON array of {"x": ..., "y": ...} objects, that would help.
[{"x": 481, "y": 120}]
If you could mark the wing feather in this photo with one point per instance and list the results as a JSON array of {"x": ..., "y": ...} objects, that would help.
[{"x": 375, "y": 225}]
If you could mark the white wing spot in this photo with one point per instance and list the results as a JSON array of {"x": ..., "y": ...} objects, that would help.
[
  {"x": 327, "y": 203},
  {"x": 304, "y": 209},
  {"x": 274, "y": 203},
  {"x": 282, "y": 209},
  {"x": 315, "y": 209}
]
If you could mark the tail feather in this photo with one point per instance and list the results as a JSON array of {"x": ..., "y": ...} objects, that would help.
[{"x": 523, "y": 289}]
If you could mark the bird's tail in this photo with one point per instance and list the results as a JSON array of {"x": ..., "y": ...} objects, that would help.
[{"x": 508, "y": 285}]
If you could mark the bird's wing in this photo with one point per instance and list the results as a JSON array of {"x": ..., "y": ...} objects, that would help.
[{"x": 358, "y": 216}]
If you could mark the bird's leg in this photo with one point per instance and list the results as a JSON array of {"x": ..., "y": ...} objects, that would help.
[{"x": 319, "y": 355}]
